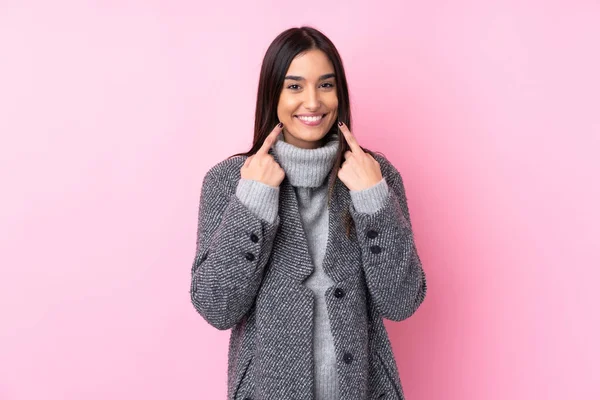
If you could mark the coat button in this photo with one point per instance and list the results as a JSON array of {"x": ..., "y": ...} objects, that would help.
[
  {"x": 254, "y": 238},
  {"x": 249, "y": 256},
  {"x": 348, "y": 358},
  {"x": 372, "y": 234},
  {"x": 339, "y": 293},
  {"x": 375, "y": 249}
]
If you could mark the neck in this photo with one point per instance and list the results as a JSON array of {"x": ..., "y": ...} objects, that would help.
[{"x": 306, "y": 167}]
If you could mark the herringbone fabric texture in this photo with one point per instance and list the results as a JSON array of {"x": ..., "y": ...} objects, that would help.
[{"x": 247, "y": 276}]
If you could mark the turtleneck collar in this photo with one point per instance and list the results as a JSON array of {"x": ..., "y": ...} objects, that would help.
[{"x": 306, "y": 167}]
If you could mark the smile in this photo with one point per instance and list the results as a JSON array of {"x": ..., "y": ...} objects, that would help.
[{"x": 311, "y": 121}]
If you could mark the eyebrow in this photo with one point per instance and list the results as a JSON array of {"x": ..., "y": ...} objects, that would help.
[{"x": 299, "y": 78}]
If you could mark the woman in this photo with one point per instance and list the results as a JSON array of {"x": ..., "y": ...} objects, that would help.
[{"x": 305, "y": 242}]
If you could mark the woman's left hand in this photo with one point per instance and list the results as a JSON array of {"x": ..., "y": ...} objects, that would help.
[{"x": 360, "y": 170}]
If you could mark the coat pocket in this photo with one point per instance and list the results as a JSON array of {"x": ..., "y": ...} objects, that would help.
[
  {"x": 243, "y": 387},
  {"x": 389, "y": 389}
]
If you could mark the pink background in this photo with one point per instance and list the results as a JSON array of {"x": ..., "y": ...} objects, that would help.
[{"x": 111, "y": 112}]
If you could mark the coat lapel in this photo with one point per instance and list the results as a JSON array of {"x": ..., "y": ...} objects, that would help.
[
  {"x": 342, "y": 257},
  {"x": 290, "y": 249}
]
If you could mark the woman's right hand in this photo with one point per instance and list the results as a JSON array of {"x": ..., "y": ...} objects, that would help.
[{"x": 261, "y": 166}]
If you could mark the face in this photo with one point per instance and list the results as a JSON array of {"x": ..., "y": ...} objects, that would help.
[{"x": 309, "y": 89}]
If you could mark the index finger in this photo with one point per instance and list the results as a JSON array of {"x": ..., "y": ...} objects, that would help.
[
  {"x": 354, "y": 146},
  {"x": 270, "y": 139}
]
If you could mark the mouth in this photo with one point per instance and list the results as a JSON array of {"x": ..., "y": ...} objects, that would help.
[{"x": 311, "y": 120}]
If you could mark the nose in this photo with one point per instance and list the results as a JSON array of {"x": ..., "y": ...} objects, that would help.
[{"x": 312, "y": 100}]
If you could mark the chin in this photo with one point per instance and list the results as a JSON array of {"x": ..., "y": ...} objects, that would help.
[{"x": 309, "y": 134}]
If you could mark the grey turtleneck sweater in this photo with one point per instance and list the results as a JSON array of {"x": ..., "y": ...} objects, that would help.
[{"x": 307, "y": 171}]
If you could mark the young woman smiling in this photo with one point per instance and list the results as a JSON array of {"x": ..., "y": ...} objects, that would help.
[{"x": 305, "y": 242}]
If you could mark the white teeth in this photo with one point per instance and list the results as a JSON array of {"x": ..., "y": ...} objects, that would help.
[{"x": 311, "y": 119}]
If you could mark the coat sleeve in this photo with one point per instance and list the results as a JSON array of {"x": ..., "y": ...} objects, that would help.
[
  {"x": 232, "y": 248},
  {"x": 393, "y": 271}
]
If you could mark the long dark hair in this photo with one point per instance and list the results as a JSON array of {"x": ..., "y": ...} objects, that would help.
[{"x": 286, "y": 46}]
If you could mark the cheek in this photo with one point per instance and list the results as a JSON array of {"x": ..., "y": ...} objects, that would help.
[
  {"x": 330, "y": 101},
  {"x": 286, "y": 106},
  {"x": 333, "y": 102}
]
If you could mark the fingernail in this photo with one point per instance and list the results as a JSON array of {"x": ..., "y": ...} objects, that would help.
[
  {"x": 280, "y": 125},
  {"x": 340, "y": 123}
]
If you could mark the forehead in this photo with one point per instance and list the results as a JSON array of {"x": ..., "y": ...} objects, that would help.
[{"x": 310, "y": 64}]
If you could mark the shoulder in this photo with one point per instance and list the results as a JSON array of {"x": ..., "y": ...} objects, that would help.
[
  {"x": 225, "y": 173},
  {"x": 393, "y": 179},
  {"x": 388, "y": 170}
]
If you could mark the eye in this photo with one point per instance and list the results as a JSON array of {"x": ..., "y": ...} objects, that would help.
[{"x": 328, "y": 85}]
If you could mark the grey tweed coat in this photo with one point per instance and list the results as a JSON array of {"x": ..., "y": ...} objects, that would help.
[{"x": 248, "y": 276}]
